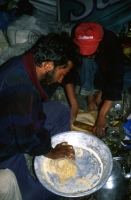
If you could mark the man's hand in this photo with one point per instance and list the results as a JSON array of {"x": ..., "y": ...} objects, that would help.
[
  {"x": 100, "y": 126},
  {"x": 62, "y": 150}
]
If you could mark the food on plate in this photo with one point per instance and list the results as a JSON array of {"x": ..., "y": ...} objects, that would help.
[{"x": 64, "y": 168}]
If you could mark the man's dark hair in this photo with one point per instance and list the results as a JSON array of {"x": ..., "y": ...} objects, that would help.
[{"x": 58, "y": 48}]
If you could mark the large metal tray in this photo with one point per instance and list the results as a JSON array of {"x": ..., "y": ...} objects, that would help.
[{"x": 95, "y": 161}]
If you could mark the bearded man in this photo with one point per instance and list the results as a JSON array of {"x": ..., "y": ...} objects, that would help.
[{"x": 27, "y": 119}]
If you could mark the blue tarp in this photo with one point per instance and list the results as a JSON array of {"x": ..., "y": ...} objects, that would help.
[{"x": 112, "y": 14}]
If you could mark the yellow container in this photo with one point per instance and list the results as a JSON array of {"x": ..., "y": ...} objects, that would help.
[{"x": 127, "y": 51}]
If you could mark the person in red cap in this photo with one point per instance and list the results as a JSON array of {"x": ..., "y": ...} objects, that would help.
[{"x": 102, "y": 72}]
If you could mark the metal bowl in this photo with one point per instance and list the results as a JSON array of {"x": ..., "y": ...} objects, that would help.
[{"x": 88, "y": 165}]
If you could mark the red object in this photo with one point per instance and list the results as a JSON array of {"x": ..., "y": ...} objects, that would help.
[{"x": 87, "y": 37}]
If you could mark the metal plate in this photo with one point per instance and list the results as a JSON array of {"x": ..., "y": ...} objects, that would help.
[{"x": 96, "y": 161}]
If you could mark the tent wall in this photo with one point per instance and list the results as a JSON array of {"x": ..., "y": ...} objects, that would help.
[
  {"x": 49, "y": 7},
  {"x": 112, "y": 14}
]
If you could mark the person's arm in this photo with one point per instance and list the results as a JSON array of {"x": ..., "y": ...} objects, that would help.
[
  {"x": 100, "y": 124},
  {"x": 113, "y": 67},
  {"x": 69, "y": 81},
  {"x": 70, "y": 91},
  {"x": 26, "y": 124}
]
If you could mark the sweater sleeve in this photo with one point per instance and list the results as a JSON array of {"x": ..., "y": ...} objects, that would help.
[
  {"x": 114, "y": 78},
  {"x": 110, "y": 60}
]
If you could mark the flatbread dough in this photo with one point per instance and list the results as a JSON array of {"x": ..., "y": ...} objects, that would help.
[
  {"x": 68, "y": 176},
  {"x": 64, "y": 168}
]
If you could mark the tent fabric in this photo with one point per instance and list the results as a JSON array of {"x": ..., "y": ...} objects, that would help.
[
  {"x": 46, "y": 6},
  {"x": 112, "y": 14}
]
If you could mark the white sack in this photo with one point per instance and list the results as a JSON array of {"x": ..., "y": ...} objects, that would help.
[
  {"x": 26, "y": 29},
  {"x": 14, "y": 50}
]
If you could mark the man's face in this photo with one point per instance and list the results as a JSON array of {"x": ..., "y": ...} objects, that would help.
[{"x": 56, "y": 75}]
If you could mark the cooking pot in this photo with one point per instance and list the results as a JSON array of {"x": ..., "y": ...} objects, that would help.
[{"x": 116, "y": 186}]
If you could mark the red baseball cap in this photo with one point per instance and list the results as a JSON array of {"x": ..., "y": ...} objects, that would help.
[{"x": 87, "y": 37}]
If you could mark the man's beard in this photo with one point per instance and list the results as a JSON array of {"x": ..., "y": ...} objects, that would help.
[{"x": 48, "y": 78}]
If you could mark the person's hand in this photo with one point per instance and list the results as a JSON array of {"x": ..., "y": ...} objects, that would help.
[
  {"x": 100, "y": 125},
  {"x": 62, "y": 150}
]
